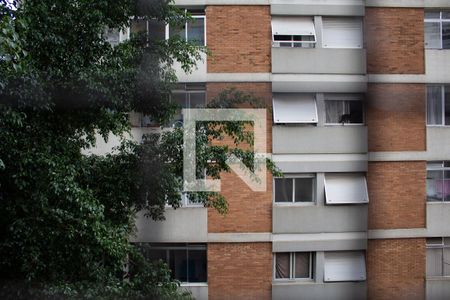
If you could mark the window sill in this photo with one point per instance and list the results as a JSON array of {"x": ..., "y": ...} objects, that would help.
[
  {"x": 344, "y": 124},
  {"x": 438, "y": 202},
  {"x": 283, "y": 204},
  {"x": 438, "y": 278},
  {"x": 293, "y": 281},
  {"x": 193, "y": 284}
]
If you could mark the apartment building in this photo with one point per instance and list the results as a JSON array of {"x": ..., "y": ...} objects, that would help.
[{"x": 360, "y": 98}]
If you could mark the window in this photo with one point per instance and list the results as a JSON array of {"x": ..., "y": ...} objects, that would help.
[
  {"x": 295, "y": 189},
  {"x": 437, "y": 29},
  {"x": 343, "y": 109},
  {"x": 187, "y": 96},
  {"x": 293, "y": 32},
  {"x": 438, "y": 105},
  {"x": 345, "y": 188},
  {"x": 193, "y": 31},
  {"x": 294, "y": 108},
  {"x": 438, "y": 256},
  {"x": 438, "y": 181},
  {"x": 344, "y": 266},
  {"x": 186, "y": 261},
  {"x": 342, "y": 32},
  {"x": 294, "y": 265}
]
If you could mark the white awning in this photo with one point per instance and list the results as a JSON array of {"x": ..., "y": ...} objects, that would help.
[
  {"x": 342, "y": 32},
  {"x": 294, "y": 108},
  {"x": 344, "y": 266},
  {"x": 293, "y": 26},
  {"x": 345, "y": 188}
]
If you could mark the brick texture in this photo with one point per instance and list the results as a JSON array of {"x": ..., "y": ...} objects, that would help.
[
  {"x": 394, "y": 40},
  {"x": 396, "y": 269},
  {"x": 396, "y": 117},
  {"x": 240, "y": 271},
  {"x": 248, "y": 211},
  {"x": 397, "y": 194},
  {"x": 239, "y": 38}
]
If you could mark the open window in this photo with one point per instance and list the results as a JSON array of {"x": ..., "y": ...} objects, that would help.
[
  {"x": 342, "y": 32},
  {"x": 343, "y": 109},
  {"x": 293, "y": 32},
  {"x": 344, "y": 266},
  {"x": 294, "y": 108},
  {"x": 345, "y": 188}
]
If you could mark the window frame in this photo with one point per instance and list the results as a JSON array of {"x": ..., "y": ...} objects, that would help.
[
  {"x": 293, "y": 177},
  {"x": 345, "y": 176},
  {"x": 185, "y": 29},
  {"x": 187, "y": 91},
  {"x": 185, "y": 246},
  {"x": 292, "y": 267},
  {"x": 442, "y": 87},
  {"x": 439, "y": 21},
  {"x": 440, "y": 246},
  {"x": 282, "y": 99},
  {"x": 301, "y": 44},
  {"x": 432, "y": 166},
  {"x": 345, "y": 98}
]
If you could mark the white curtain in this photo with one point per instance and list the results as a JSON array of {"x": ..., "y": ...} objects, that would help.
[
  {"x": 282, "y": 265},
  {"x": 334, "y": 111}
]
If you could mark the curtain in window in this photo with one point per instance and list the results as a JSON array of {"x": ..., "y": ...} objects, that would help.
[
  {"x": 434, "y": 262},
  {"x": 302, "y": 265},
  {"x": 432, "y": 35},
  {"x": 434, "y": 105},
  {"x": 333, "y": 111},
  {"x": 446, "y": 262},
  {"x": 282, "y": 265}
]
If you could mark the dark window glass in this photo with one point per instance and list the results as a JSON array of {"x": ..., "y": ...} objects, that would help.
[
  {"x": 302, "y": 265},
  {"x": 447, "y": 106},
  {"x": 434, "y": 105},
  {"x": 283, "y": 189},
  {"x": 196, "y": 31},
  {"x": 197, "y": 266},
  {"x": 138, "y": 26},
  {"x": 356, "y": 111},
  {"x": 178, "y": 264},
  {"x": 282, "y": 265},
  {"x": 446, "y": 35},
  {"x": 283, "y": 37},
  {"x": 156, "y": 30},
  {"x": 304, "y": 189}
]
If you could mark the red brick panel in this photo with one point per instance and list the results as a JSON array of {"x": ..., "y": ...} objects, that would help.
[
  {"x": 397, "y": 194},
  {"x": 240, "y": 271},
  {"x": 395, "y": 40},
  {"x": 239, "y": 38},
  {"x": 396, "y": 117},
  {"x": 396, "y": 269}
]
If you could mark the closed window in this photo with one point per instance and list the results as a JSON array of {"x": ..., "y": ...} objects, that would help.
[
  {"x": 438, "y": 181},
  {"x": 293, "y": 32},
  {"x": 295, "y": 189},
  {"x": 294, "y": 265},
  {"x": 342, "y": 32},
  {"x": 438, "y": 105},
  {"x": 437, "y": 29},
  {"x": 344, "y": 266},
  {"x": 187, "y": 96},
  {"x": 344, "y": 109},
  {"x": 346, "y": 188},
  {"x": 294, "y": 108},
  {"x": 187, "y": 262},
  {"x": 438, "y": 256},
  {"x": 193, "y": 31}
]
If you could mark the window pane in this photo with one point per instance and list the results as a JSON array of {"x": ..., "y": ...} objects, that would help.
[
  {"x": 434, "y": 241},
  {"x": 282, "y": 265},
  {"x": 334, "y": 111},
  {"x": 447, "y": 106},
  {"x": 446, "y": 262},
  {"x": 434, "y": 185},
  {"x": 356, "y": 111},
  {"x": 156, "y": 254},
  {"x": 177, "y": 31},
  {"x": 434, "y": 105},
  {"x": 283, "y": 189},
  {"x": 446, "y": 35},
  {"x": 432, "y": 14},
  {"x": 196, "y": 31},
  {"x": 178, "y": 264},
  {"x": 301, "y": 268},
  {"x": 138, "y": 26},
  {"x": 156, "y": 30},
  {"x": 180, "y": 99},
  {"x": 197, "y": 266},
  {"x": 304, "y": 189},
  {"x": 282, "y": 37},
  {"x": 446, "y": 15},
  {"x": 446, "y": 186},
  {"x": 197, "y": 100},
  {"x": 432, "y": 35},
  {"x": 434, "y": 262}
]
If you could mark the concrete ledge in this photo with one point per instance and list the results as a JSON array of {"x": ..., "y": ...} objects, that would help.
[
  {"x": 303, "y": 163},
  {"x": 408, "y": 3},
  {"x": 248, "y": 237},
  {"x": 316, "y": 8},
  {"x": 318, "y": 291},
  {"x": 238, "y": 77},
  {"x": 318, "y": 83},
  {"x": 220, "y": 2},
  {"x": 397, "y": 233},
  {"x": 398, "y": 156},
  {"x": 396, "y": 78}
]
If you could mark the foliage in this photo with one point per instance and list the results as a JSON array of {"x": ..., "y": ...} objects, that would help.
[{"x": 65, "y": 217}]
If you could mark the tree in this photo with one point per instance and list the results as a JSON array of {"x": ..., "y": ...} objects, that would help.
[{"x": 65, "y": 218}]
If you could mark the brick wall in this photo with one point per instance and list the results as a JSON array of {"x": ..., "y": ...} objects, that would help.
[
  {"x": 396, "y": 269},
  {"x": 394, "y": 40},
  {"x": 249, "y": 211},
  {"x": 240, "y": 271},
  {"x": 396, "y": 117},
  {"x": 397, "y": 194},
  {"x": 239, "y": 38}
]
